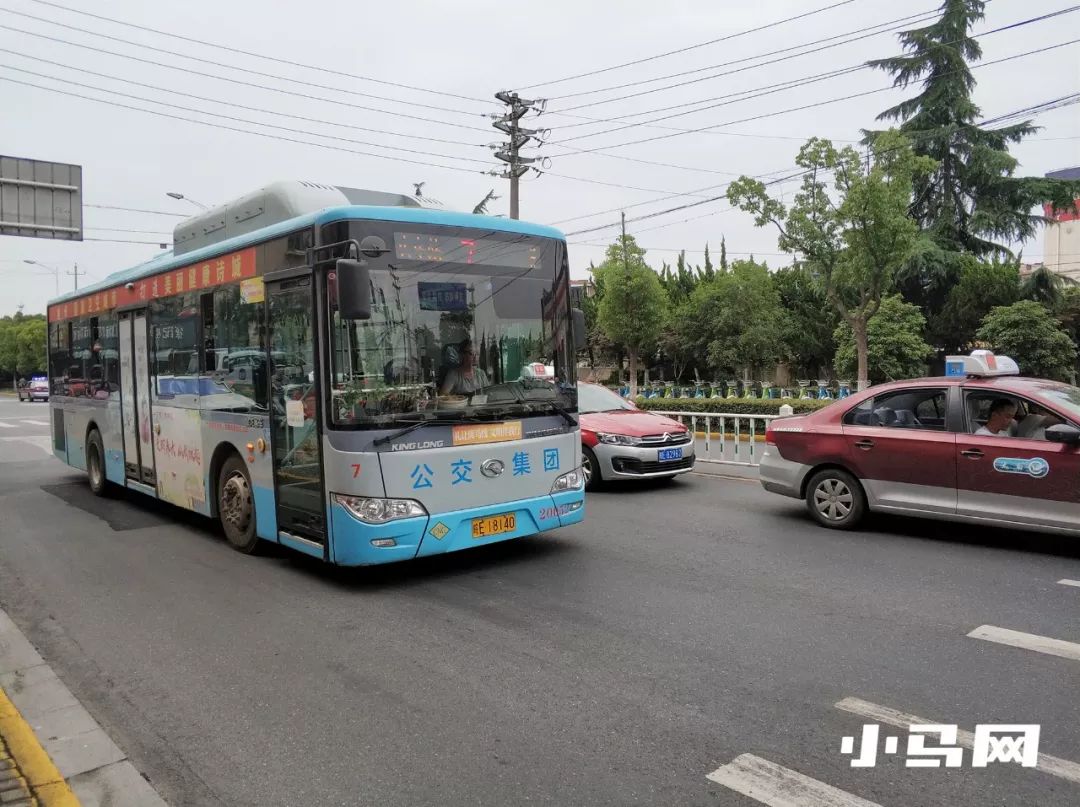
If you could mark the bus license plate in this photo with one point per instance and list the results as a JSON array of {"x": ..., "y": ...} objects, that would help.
[
  {"x": 493, "y": 525},
  {"x": 669, "y": 454}
]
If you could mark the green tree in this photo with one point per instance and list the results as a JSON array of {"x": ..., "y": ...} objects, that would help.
[
  {"x": 855, "y": 242},
  {"x": 982, "y": 284},
  {"x": 1045, "y": 286},
  {"x": 733, "y": 322},
  {"x": 895, "y": 341},
  {"x": 632, "y": 309},
  {"x": 971, "y": 202},
  {"x": 30, "y": 346},
  {"x": 1028, "y": 333},
  {"x": 723, "y": 254},
  {"x": 708, "y": 273},
  {"x": 809, "y": 322}
]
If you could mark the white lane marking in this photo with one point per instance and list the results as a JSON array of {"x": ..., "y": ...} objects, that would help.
[
  {"x": 7, "y": 425},
  {"x": 1055, "y": 766},
  {"x": 1027, "y": 641},
  {"x": 778, "y": 786},
  {"x": 1069, "y": 583},
  {"x": 35, "y": 422}
]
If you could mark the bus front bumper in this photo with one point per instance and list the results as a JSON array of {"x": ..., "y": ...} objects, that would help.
[{"x": 440, "y": 533}]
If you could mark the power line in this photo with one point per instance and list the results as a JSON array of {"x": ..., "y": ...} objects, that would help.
[
  {"x": 904, "y": 22},
  {"x": 236, "y": 105},
  {"x": 814, "y": 105},
  {"x": 770, "y": 90},
  {"x": 1042, "y": 107},
  {"x": 688, "y": 47},
  {"x": 240, "y": 120},
  {"x": 190, "y": 71},
  {"x": 219, "y": 46},
  {"x": 137, "y": 209},
  {"x": 247, "y": 70},
  {"x": 234, "y": 128}
]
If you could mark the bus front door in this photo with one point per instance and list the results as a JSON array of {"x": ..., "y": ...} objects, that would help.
[
  {"x": 135, "y": 397},
  {"x": 294, "y": 409}
]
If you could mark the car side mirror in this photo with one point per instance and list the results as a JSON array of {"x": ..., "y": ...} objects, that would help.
[
  {"x": 1063, "y": 433},
  {"x": 580, "y": 332},
  {"x": 354, "y": 289}
]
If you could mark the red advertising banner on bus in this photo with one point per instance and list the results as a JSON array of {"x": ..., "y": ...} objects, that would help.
[{"x": 231, "y": 268}]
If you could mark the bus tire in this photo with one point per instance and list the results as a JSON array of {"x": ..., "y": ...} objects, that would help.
[
  {"x": 236, "y": 506},
  {"x": 95, "y": 464}
]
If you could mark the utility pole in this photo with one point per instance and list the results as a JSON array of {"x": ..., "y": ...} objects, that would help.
[
  {"x": 75, "y": 273},
  {"x": 510, "y": 151}
]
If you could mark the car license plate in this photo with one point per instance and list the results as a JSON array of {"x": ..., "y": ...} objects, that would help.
[
  {"x": 669, "y": 454},
  {"x": 493, "y": 525}
]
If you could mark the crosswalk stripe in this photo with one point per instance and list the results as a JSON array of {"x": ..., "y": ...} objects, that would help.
[
  {"x": 1069, "y": 583},
  {"x": 778, "y": 786},
  {"x": 7, "y": 425},
  {"x": 35, "y": 422},
  {"x": 1055, "y": 766},
  {"x": 1027, "y": 641}
]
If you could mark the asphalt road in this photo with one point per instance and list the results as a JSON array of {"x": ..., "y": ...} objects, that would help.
[{"x": 617, "y": 662}]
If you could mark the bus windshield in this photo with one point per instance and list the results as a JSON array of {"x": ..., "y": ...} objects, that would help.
[{"x": 459, "y": 318}]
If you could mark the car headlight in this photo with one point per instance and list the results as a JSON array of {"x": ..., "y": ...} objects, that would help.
[
  {"x": 571, "y": 480},
  {"x": 618, "y": 439},
  {"x": 372, "y": 510}
]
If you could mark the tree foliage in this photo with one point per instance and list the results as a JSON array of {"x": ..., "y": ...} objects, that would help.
[
  {"x": 857, "y": 237},
  {"x": 895, "y": 342},
  {"x": 1030, "y": 334},
  {"x": 808, "y": 324},
  {"x": 633, "y": 306},
  {"x": 981, "y": 285},
  {"x": 22, "y": 344}
]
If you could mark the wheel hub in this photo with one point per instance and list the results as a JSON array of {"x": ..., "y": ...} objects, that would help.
[{"x": 236, "y": 502}]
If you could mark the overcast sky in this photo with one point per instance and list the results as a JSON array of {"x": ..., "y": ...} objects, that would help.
[{"x": 470, "y": 48}]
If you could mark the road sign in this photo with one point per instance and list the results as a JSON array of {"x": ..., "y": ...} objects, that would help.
[{"x": 40, "y": 199}]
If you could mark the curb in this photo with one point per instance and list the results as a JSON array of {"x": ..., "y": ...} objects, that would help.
[{"x": 60, "y": 756}]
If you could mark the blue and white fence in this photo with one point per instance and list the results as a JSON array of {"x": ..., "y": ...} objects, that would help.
[{"x": 724, "y": 437}]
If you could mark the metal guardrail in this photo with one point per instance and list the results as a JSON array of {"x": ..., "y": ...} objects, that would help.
[{"x": 729, "y": 439}]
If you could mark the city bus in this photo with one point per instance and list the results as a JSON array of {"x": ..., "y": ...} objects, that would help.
[{"x": 339, "y": 371}]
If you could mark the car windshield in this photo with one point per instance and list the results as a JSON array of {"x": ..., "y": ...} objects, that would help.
[
  {"x": 458, "y": 319},
  {"x": 593, "y": 398}
]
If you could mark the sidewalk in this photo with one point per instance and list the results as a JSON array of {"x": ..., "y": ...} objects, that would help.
[{"x": 52, "y": 752}]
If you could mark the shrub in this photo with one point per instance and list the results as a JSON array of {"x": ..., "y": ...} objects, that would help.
[{"x": 734, "y": 406}]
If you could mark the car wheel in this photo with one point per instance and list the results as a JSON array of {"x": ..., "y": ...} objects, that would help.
[
  {"x": 590, "y": 469},
  {"x": 236, "y": 506},
  {"x": 835, "y": 499},
  {"x": 95, "y": 464}
]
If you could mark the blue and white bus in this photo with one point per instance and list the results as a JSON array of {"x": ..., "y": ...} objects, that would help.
[{"x": 339, "y": 371}]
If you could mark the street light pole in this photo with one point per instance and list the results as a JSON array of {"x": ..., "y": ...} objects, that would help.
[
  {"x": 53, "y": 269},
  {"x": 181, "y": 198}
]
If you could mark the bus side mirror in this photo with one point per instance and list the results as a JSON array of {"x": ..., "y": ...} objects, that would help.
[
  {"x": 580, "y": 334},
  {"x": 353, "y": 289}
]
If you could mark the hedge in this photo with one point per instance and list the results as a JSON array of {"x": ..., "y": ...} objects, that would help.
[{"x": 734, "y": 406}]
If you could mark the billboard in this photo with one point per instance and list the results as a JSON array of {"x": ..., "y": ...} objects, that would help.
[{"x": 40, "y": 199}]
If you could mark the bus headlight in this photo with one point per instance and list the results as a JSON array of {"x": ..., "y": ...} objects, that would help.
[
  {"x": 572, "y": 480},
  {"x": 371, "y": 510}
]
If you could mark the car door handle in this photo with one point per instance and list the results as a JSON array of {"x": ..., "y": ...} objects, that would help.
[
  {"x": 865, "y": 445},
  {"x": 973, "y": 453}
]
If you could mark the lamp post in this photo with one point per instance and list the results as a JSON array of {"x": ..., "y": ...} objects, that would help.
[
  {"x": 53, "y": 269},
  {"x": 181, "y": 198}
]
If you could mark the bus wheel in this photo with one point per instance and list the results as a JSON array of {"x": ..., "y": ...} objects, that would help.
[
  {"x": 236, "y": 506},
  {"x": 95, "y": 464}
]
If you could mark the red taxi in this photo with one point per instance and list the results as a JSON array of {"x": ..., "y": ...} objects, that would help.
[
  {"x": 979, "y": 445},
  {"x": 619, "y": 441}
]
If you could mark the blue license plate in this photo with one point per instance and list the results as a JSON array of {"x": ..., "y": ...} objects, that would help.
[{"x": 669, "y": 454}]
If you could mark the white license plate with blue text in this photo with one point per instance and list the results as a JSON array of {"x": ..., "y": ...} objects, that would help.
[{"x": 669, "y": 454}]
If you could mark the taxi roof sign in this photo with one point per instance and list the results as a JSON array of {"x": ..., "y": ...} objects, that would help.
[{"x": 980, "y": 363}]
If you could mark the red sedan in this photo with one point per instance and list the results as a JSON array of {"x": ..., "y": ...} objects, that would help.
[
  {"x": 619, "y": 441},
  {"x": 979, "y": 445}
]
